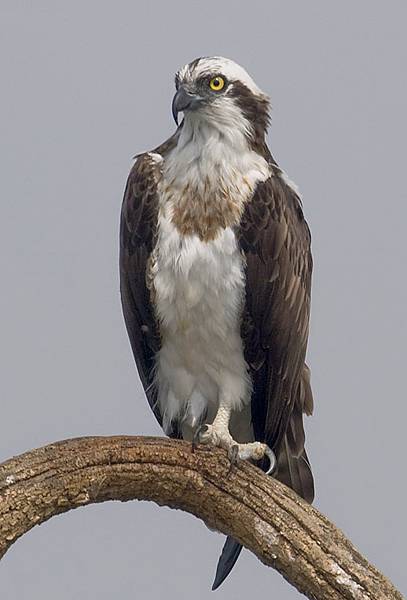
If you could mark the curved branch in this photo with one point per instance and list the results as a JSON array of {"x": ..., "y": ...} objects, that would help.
[{"x": 280, "y": 528}]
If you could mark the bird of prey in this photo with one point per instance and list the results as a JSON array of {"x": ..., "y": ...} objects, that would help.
[{"x": 215, "y": 277}]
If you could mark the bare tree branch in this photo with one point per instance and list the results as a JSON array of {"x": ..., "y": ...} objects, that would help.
[{"x": 280, "y": 528}]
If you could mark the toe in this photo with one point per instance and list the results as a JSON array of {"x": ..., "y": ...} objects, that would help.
[{"x": 205, "y": 434}]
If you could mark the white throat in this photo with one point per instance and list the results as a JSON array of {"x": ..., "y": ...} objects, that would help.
[{"x": 213, "y": 151}]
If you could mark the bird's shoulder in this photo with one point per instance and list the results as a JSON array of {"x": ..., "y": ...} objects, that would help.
[
  {"x": 274, "y": 218},
  {"x": 139, "y": 207},
  {"x": 140, "y": 201}
]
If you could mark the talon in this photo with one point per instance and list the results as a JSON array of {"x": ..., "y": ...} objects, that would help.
[
  {"x": 233, "y": 457},
  {"x": 272, "y": 460}
]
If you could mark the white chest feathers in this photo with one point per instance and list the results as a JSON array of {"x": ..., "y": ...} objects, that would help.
[
  {"x": 197, "y": 283},
  {"x": 199, "y": 290}
]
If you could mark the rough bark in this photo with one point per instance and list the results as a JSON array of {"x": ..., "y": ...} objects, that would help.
[{"x": 268, "y": 518}]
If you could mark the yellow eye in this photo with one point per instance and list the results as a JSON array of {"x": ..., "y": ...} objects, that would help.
[{"x": 217, "y": 84}]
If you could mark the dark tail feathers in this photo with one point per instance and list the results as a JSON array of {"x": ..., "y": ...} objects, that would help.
[{"x": 230, "y": 554}]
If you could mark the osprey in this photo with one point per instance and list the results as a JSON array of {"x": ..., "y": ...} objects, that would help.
[{"x": 215, "y": 277}]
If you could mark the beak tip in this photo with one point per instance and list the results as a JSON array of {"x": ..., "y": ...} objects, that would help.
[
  {"x": 181, "y": 102},
  {"x": 175, "y": 113}
]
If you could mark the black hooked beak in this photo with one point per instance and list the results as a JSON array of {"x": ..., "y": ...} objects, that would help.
[{"x": 182, "y": 101}]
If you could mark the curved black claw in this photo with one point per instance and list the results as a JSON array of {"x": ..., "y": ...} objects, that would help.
[{"x": 233, "y": 457}]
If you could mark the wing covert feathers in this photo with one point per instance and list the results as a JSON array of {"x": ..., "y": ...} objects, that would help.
[
  {"x": 137, "y": 233},
  {"x": 277, "y": 244}
]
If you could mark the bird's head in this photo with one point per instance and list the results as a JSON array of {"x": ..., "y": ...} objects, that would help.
[{"x": 219, "y": 92}]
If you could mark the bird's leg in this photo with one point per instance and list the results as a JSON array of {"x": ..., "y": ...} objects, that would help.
[{"x": 218, "y": 434}]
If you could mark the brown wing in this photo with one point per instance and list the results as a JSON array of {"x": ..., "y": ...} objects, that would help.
[
  {"x": 138, "y": 225},
  {"x": 276, "y": 241},
  {"x": 137, "y": 233}
]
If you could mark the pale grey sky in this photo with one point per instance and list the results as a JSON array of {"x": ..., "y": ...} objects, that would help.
[{"x": 85, "y": 86}]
